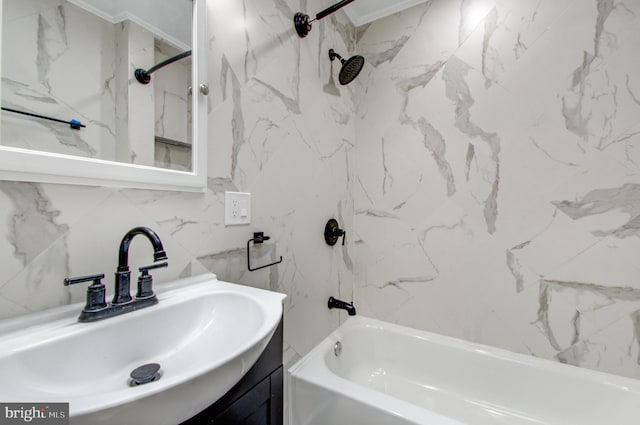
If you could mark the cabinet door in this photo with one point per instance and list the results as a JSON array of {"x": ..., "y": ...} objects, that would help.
[
  {"x": 259, "y": 417},
  {"x": 276, "y": 407},
  {"x": 251, "y": 409}
]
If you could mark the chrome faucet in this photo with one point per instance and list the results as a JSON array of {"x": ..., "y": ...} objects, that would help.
[{"x": 97, "y": 308}]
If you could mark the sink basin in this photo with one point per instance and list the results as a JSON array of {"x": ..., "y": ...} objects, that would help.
[{"x": 205, "y": 334}]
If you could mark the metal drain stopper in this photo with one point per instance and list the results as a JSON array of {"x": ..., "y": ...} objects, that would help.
[
  {"x": 337, "y": 349},
  {"x": 145, "y": 374}
]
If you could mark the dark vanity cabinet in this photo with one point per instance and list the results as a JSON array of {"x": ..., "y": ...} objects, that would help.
[{"x": 257, "y": 398}]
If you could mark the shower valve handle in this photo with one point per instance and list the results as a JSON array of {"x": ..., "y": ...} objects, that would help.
[
  {"x": 332, "y": 232},
  {"x": 340, "y": 232}
]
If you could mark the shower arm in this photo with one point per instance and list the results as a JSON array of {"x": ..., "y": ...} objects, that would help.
[
  {"x": 144, "y": 76},
  {"x": 303, "y": 24},
  {"x": 333, "y": 55}
]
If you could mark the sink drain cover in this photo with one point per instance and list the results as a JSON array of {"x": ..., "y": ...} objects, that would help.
[{"x": 145, "y": 374}]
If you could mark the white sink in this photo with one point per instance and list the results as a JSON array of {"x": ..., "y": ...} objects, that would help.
[{"x": 204, "y": 333}]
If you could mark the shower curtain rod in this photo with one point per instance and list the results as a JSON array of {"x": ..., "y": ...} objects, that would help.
[
  {"x": 302, "y": 22},
  {"x": 144, "y": 77}
]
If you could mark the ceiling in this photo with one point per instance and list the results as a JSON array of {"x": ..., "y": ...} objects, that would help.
[
  {"x": 362, "y": 12},
  {"x": 169, "y": 20}
]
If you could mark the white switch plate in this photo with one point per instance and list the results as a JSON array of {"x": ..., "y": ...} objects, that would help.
[{"x": 237, "y": 208}]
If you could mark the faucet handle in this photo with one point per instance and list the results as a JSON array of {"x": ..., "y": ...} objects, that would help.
[
  {"x": 145, "y": 269},
  {"x": 145, "y": 280},
  {"x": 95, "y": 293}
]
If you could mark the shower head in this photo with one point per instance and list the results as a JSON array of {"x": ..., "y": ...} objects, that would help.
[{"x": 350, "y": 67}]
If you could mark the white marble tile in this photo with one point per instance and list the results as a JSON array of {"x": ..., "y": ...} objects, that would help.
[
  {"x": 326, "y": 120},
  {"x": 190, "y": 218},
  {"x": 601, "y": 107},
  {"x": 626, "y": 148},
  {"x": 613, "y": 350},
  {"x": 16, "y": 9},
  {"x": 9, "y": 309},
  {"x": 599, "y": 286},
  {"x": 504, "y": 192},
  {"x": 506, "y": 33},
  {"x": 105, "y": 226},
  {"x": 32, "y": 220},
  {"x": 251, "y": 35},
  {"x": 491, "y": 329},
  {"x": 622, "y": 337},
  {"x": 261, "y": 121},
  {"x": 554, "y": 244},
  {"x": 73, "y": 202},
  {"x": 306, "y": 211},
  {"x": 526, "y": 313},
  {"x": 477, "y": 141},
  {"x": 548, "y": 133},
  {"x": 396, "y": 251},
  {"x": 10, "y": 260},
  {"x": 173, "y": 157},
  {"x": 171, "y": 95},
  {"x": 139, "y": 97},
  {"x": 40, "y": 284},
  {"x": 573, "y": 228},
  {"x": 382, "y": 41},
  {"x": 219, "y": 153},
  {"x": 609, "y": 263},
  {"x": 448, "y": 274},
  {"x": 558, "y": 317},
  {"x": 528, "y": 174},
  {"x": 54, "y": 41},
  {"x": 565, "y": 50},
  {"x": 384, "y": 303},
  {"x": 303, "y": 338},
  {"x": 403, "y": 168},
  {"x": 413, "y": 312},
  {"x": 472, "y": 15},
  {"x": 378, "y": 107}
]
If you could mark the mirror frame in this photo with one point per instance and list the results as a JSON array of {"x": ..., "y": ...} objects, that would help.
[{"x": 18, "y": 164}]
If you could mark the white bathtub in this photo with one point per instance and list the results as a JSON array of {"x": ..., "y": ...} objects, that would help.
[{"x": 393, "y": 375}]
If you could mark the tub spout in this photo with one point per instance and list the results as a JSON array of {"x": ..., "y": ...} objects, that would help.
[{"x": 343, "y": 305}]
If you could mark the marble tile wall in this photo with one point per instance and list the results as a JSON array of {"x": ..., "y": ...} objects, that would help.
[
  {"x": 497, "y": 188},
  {"x": 171, "y": 94},
  {"x": 135, "y": 105},
  {"x": 492, "y": 185},
  {"x": 55, "y": 39},
  {"x": 277, "y": 129},
  {"x": 172, "y": 109}
]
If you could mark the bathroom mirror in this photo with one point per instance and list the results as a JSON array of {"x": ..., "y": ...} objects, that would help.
[{"x": 72, "y": 110}]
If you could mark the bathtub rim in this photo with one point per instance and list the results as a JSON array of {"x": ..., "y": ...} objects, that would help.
[
  {"x": 495, "y": 352},
  {"x": 307, "y": 370},
  {"x": 312, "y": 369}
]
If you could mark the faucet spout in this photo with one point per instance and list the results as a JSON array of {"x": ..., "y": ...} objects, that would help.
[
  {"x": 123, "y": 255},
  {"x": 343, "y": 305},
  {"x": 123, "y": 274}
]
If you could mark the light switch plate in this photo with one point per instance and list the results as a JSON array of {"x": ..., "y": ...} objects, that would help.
[{"x": 237, "y": 208}]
